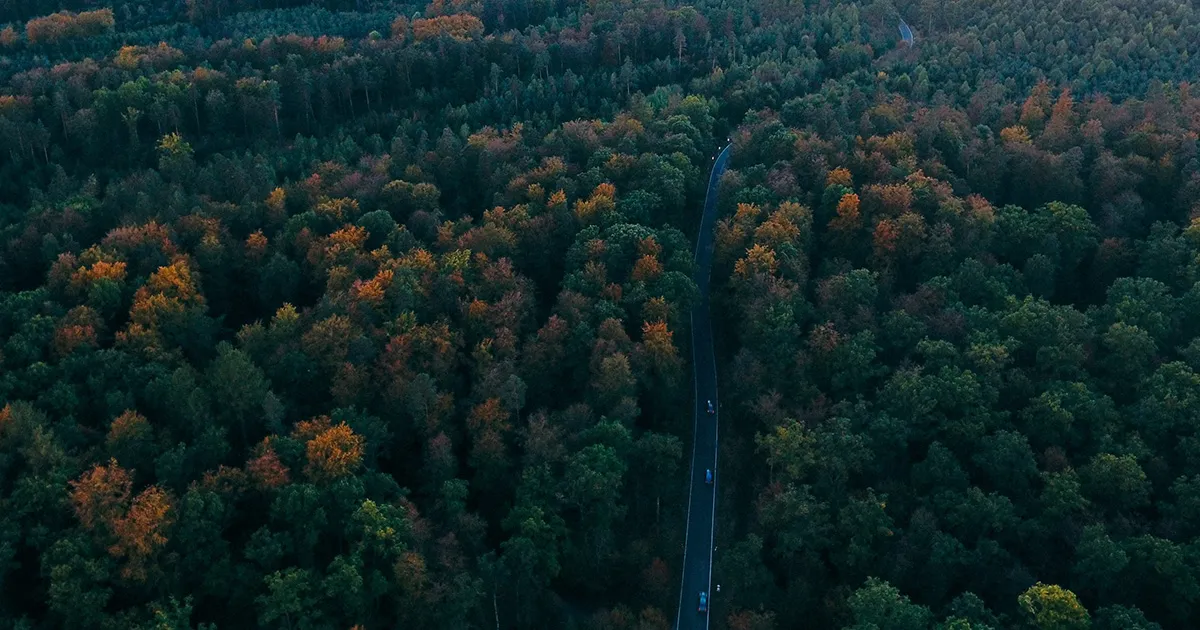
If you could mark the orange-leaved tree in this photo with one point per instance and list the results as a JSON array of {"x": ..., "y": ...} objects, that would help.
[
  {"x": 332, "y": 451},
  {"x": 135, "y": 531}
]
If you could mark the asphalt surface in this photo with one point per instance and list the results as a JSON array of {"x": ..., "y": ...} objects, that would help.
[{"x": 702, "y": 497}]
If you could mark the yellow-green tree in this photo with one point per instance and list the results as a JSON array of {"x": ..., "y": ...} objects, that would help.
[{"x": 1052, "y": 607}]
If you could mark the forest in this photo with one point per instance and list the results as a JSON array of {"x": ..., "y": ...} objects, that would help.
[{"x": 358, "y": 315}]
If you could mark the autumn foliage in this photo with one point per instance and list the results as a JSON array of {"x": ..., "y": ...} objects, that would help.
[
  {"x": 332, "y": 451},
  {"x": 461, "y": 26},
  {"x": 266, "y": 470},
  {"x": 142, "y": 531},
  {"x": 101, "y": 495},
  {"x": 64, "y": 25},
  {"x": 309, "y": 322}
]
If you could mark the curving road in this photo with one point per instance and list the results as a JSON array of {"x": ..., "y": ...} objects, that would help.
[{"x": 702, "y": 497}]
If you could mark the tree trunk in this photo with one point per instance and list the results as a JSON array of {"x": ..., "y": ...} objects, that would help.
[{"x": 495, "y": 608}]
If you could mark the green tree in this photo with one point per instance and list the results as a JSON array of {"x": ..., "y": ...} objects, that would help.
[
  {"x": 241, "y": 388},
  {"x": 291, "y": 600},
  {"x": 1099, "y": 562},
  {"x": 1116, "y": 482},
  {"x": 1123, "y": 618},
  {"x": 878, "y": 605}
]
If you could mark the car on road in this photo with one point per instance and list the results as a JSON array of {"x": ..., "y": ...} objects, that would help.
[
  {"x": 708, "y": 476},
  {"x": 703, "y": 607},
  {"x": 711, "y": 410}
]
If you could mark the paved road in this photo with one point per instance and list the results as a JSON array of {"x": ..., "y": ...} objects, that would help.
[{"x": 702, "y": 498}]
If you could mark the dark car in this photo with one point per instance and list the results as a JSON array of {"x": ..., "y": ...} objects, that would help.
[
  {"x": 703, "y": 602},
  {"x": 711, "y": 409},
  {"x": 708, "y": 475}
]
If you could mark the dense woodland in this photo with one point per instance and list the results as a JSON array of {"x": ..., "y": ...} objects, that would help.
[{"x": 372, "y": 315}]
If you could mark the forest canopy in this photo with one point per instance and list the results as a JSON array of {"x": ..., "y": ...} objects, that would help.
[{"x": 372, "y": 314}]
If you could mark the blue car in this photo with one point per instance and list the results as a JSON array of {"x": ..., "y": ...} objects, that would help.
[
  {"x": 703, "y": 602},
  {"x": 711, "y": 410},
  {"x": 708, "y": 476}
]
